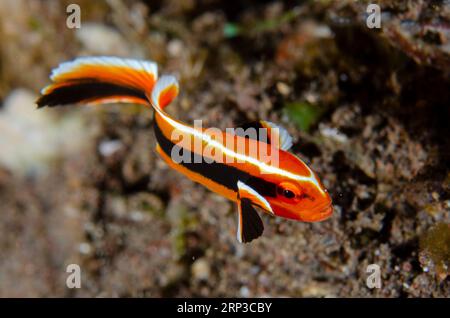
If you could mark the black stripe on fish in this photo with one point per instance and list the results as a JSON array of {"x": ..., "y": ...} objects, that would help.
[
  {"x": 86, "y": 90},
  {"x": 220, "y": 173}
]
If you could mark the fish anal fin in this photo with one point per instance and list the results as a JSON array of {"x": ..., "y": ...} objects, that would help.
[{"x": 250, "y": 225}]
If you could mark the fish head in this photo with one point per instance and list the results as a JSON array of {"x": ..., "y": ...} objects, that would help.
[{"x": 300, "y": 195}]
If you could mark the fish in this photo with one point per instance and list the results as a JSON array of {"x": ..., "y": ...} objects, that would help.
[{"x": 285, "y": 187}]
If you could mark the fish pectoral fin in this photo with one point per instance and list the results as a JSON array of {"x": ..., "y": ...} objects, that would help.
[
  {"x": 250, "y": 225},
  {"x": 247, "y": 192}
]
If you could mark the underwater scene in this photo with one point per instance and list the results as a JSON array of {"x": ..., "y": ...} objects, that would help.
[{"x": 212, "y": 148}]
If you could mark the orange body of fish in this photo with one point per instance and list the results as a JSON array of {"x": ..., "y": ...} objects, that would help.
[{"x": 285, "y": 187}]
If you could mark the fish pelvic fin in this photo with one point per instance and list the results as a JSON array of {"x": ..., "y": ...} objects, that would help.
[
  {"x": 247, "y": 192},
  {"x": 100, "y": 80},
  {"x": 250, "y": 225}
]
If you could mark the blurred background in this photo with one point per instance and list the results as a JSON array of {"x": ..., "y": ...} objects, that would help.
[{"x": 368, "y": 109}]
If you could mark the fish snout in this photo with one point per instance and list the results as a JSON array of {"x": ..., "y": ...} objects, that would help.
[{"x": 317, "y": 214}]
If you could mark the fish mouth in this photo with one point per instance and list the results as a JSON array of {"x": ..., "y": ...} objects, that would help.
[
  {"x": 323, "y": 213},
  {"x": 327, "y": 211}
]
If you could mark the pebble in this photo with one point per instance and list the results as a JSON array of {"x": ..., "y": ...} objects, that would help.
[
  {"x": 201, "y": 269},
  {"x": 102, "y": 40},
  {"x": 109, "y": 147},
  {"x": 244, "y": 291},
  {"x": 31, "y": 139},
  {"x": 283, "y": 88},
  {"x": 84, "y": 248},
  {"x": 175, "y": 48}
]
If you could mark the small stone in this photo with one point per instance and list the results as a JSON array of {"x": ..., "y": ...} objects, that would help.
[
  {"x": 109, "y": 147},
  {"x": 84, "y": 248},
  {"x": 311, "y": 97},
  {"x": 201, "y": 269},
  {"x": 244, "y": 291},
  {"x": 136, "y": 216},
  {"x": 102, "y": 40},
  {"x": 31, "y": 139},
  {"x": 283, "y": 88},
  {"x": 333, "y": 133},
  {"x": 175, "y": 48},
  {"x": 407, "y": 267}
]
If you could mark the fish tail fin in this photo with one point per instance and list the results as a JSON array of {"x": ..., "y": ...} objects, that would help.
[
  {"x": 100, "y": 80},
  {"x": 165, "y": 91}
]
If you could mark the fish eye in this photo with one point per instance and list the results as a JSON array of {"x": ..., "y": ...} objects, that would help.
[
  {"x": 288, "y": 191},
  {"x": 288, "y": 194}
]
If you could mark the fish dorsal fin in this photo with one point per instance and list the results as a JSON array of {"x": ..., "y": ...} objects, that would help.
[
  {"x": 247, "y": 192},
  {"x": 276, "y": 131},
  {"x": 250, "y": 225},
  {"x": 284, "y": 140}
]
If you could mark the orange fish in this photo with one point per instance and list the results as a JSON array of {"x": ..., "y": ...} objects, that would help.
[{"x": 285, "y": 187}]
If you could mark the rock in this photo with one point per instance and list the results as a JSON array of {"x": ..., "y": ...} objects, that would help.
[
  {"x": 201, "y": 269},
  {"x": 102, "y": 40},
  {"x": 31, "y": 139},
  {"x": 109, "y": 147},
  {"x": 283, "y": 88},
  {"x": 244, "y": 292}
]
